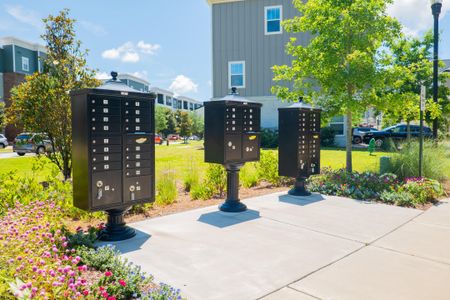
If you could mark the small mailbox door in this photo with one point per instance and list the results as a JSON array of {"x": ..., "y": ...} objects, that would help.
[
  {"x": 250, "y": 146},
  {"x": 233, "y": 147},
  {"x": 137, "y": 189},
  {"x": 106, "y": 188}
]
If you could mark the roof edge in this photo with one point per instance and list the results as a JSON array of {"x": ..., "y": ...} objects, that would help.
[{"x": 211, "y": 2}]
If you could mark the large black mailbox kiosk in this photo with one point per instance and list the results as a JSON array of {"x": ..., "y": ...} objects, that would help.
[
  {"x": 232, "y": 138},
  {"x": 113, "y": 152},
  {"x": 299, "y": 144}
]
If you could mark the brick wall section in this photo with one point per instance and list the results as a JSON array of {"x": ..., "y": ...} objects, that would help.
[{"x": 10, "y": 80}]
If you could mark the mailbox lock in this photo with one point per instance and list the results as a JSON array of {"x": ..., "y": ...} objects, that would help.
[
  {"x": 99, "y": 184},
  {"x": 132, "y": 188}
]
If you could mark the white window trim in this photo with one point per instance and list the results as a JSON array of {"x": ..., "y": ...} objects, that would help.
[
  {"x": 266, "y": 8},
  {"x": 243, "y": 74},
  {"x": 27, "y": 60}
]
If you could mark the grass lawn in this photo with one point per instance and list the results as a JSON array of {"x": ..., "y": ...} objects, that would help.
[{"x": 181, "y": 158}]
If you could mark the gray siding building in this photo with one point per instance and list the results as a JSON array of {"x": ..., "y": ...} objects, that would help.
[{"x": 247, "y": 41}]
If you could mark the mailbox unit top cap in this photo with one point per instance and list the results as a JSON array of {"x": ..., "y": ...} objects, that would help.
[
  {"x": 300, "y": 105},
  {"x": 112, "y": 85},
  {"x": 233, "y": 98}
]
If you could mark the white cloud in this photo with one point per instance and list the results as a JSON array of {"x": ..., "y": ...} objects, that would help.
[
  {"x": 26, "y": 16},
  {"x": 182, "y": 85},
  {"x": 93, "y": 28},
  {"x": 102, "y": 75},
  {"x": 148, "y": 48},
  {"x": 141, "y": 74},
  {"x": 415, "y": 15},
  {"x": 129, "y": 52}
]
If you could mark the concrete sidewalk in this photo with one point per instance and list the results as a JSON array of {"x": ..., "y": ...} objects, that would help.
[{"x": 318, "y": 247}]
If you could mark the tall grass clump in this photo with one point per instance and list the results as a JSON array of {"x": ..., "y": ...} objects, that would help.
[
  {"x": 166, "y": 188},
  {"x": 216, "y": 179},
  {"x": 249, "y": 175},
  {"x": 191, "y": 177},
  {"x": 267, "y": 168},
  {"x": 436, "y": 161}
]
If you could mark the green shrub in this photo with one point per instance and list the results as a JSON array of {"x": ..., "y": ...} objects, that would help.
[
  {"x": 397, "y": 198},
  {"x": 267, "y": 168},
  {"x": 216, "y": 179},
  {"x": 422, "y": 190},
  {"x": 249, "y": 175},
  {"x": 191, "y": 178},
  {"x": 388, "y": 145},
  {"x": 201, "y": 192},
  {"x": 436, "y": 160},
  {"x": 327, "y": 135},
  {"x": 269, "y": 138},
  {"x": 166, "y": 188}
]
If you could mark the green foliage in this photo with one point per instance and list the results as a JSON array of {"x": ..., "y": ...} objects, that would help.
[
  {"x": 249, "y": 175},
  {"x": 171, "y": 123},
  {"x": 422, "y": 190},
  {"x": 198, "y": 125},
  {"x": 371, "y": 147},
  {"x": 388, "y": 145},
  {"x": 161, "y": 122},
  {"x": 166, "y": 188},
  {"x": 269, "y": 138},
  {"x": 397, "y": 198},
  {"x": 81, "y": 238},
  {"x": 327, "y": 135},
  {"x": 25, "y": 189},
  {"x": 185, "y": 124},
  {"x": 122, "y": 278},
  {"x": 191, "y": 177},
  {"x": 216, "y": 179},
  {"x": 343, "y": 74},
  {"x": 436, "y": 161},
  {"x": 201, "y": 192},
  {"x": 42, "y": 102},
  {"x": 2, "y": 115},
  {"x": 267, "y": 168}
]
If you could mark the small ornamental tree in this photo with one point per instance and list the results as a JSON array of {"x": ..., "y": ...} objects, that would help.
[
  {"x": 198, "y": 125},
  {"x": 185, "y": 125},
  {"x": 42, "y": 103},
  {"x": 161, "y": 118},
  {"x": 341, "y": 68}
]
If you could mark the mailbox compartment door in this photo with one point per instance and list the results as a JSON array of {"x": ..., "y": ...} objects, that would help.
[
  {"x": 106, "y": 189},
  {"x": 250, "y": 146},
  {"x": 233, "y": 147},
  {"x": 137, "y": 189}
]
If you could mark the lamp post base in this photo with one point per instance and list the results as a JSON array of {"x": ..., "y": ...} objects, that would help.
[
  {"x": 115, "y": 229},
  {"x": 232, "y": 204},
  {"x": 299, "y": 189}
]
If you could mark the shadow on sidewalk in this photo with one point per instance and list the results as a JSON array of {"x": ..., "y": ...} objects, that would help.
[
  {"x": 131, "y": 245},
  {"x": 302, "y": 201},
  {"x": 222, "y": 220}
]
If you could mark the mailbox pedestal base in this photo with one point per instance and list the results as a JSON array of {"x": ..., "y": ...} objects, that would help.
[
  {"x": 232, "y": 203},
  {"x": 115, "y": 229},
  {"x": 299, "y": 188}
]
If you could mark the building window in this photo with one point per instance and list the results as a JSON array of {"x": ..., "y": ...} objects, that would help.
[
  {"x": 191, "y": 106},
  {"x": 25, "y": 64},
  {"x": 185, "y": 105},
  {"x": 273, "y": 15},
  {"x": 168, "y": 101},
  {"x": 160, "y": 98},
  {"x": 337, "y": 123},
  {"x": 236, "y": 74}
]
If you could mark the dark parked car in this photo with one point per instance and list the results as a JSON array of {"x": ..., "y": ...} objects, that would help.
[
  {"x": 397, "y": 133},
  {"x": 360, "y": 132},
  {"x": 31, "y": 143}
]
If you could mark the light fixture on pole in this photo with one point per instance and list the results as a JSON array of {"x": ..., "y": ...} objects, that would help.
[{"x": 436, "y": 6}]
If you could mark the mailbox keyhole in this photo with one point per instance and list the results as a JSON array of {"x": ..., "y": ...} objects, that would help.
[
  {"x": 132, "y": 189},
  {"x": 99, "y": 189}
]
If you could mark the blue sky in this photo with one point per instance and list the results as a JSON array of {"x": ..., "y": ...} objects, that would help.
[{"x": 167, "y": 42}]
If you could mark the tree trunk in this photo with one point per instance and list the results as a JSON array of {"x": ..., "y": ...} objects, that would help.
[
  {"x": 408, "y": 131},
  {"x": 349, "y": 165}
]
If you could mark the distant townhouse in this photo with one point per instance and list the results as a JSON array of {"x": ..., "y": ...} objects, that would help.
[
  {"x": 18, "y": 58},
  {"x": 247, "y": 40},
  {"x": 164, "y": 97}
]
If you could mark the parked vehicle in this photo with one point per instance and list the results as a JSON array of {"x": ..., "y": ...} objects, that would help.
[
  {"x": 397, "y": 133},
  {"x": 173, "y": 137},
  {"x": 158, "y": 139},
  {"x": 3, "y": 141},
  {"x": 31, "y": 143},
  {"x": 194, "y": 138},
  {"x": 360, "y": 132}
]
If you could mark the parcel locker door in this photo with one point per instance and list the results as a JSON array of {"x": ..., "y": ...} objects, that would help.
[
  {"x": 137, "y": 189},
  {"x": 106, "y": 189},
  {"x": 250, "y": 146},
  {"x": 233, "y": 147}
]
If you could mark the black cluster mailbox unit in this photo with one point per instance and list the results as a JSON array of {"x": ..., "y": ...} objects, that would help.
[
  {"x": 232, "y": 138},
  {"x": 113, "y": 152},
  {"x": 299, "y": 144}
]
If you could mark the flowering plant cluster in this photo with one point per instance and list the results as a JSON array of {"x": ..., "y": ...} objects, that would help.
[
  {"x": 37, "y": 261},
  {"x": 373, "y": 187}
]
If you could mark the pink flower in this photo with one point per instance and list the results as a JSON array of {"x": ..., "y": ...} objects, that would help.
[
  {"x": 85, "y": 292},
  {"x": 122, "y": 282},
  {"x": 108, "y": 274},
  {"x": 111, "y": 298}
]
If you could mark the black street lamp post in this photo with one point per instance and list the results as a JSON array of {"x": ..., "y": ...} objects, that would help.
[{"x": 436, "y": 6}]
